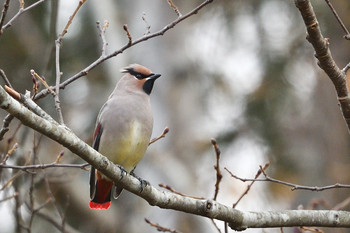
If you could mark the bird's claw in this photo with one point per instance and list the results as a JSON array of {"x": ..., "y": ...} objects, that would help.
[
  {"x": 143, "y": 183},
  {"x": 123, "y": 171}
]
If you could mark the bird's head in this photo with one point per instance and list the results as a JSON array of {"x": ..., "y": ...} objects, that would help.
[{"x": 143, "y": 76}]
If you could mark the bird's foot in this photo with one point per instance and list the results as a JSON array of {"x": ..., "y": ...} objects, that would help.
[
  {"x": 143, "y": 182},
  {"x": 123, "y": 171}
]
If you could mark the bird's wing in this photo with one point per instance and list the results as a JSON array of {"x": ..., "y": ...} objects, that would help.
[{"x": 95, "y": 145}]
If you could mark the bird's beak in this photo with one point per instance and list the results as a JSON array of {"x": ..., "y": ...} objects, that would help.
[{"x": 154, "y": 76}]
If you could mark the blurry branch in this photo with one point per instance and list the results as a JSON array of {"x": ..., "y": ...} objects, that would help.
[
  {"x": 58, "y": 43},
  {"x": 165, "y": 131},
  {"x": 342, "y": 204},
  {"x": 293, "y": 186},
  {"x": 217, "y": 168},
  {"x": 347, "y": 34},
  {"x": 44, "y": 166},
  {"x": 102, "y": 30},
  {"x": 179, "y": 193},
  {"x": 20, "y": 11},
  {"x": 174, "y": 8},
  {"x": 9, "y": 197},
  {"x": 6, "y": 80},
  {"x": 131, "y": 43},
  {"x": 238, "y": 220},
  {"x": 9, "y": 153},
  {"x": 159, "y": 227},
  {"x": 324, "y": 57},
  {"x": 56, "y": 223},
  {"x": 250, "y": 185},
  {"x": 3, "y": 14},
  {"x": 125, "y": 27},
  {"x": 148, "y": 27}
]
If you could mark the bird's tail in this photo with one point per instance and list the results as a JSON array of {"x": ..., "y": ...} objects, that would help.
[{"x": 102, "y": 198}]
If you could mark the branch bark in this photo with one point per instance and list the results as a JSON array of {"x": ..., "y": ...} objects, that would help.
[
  {"x": 238, "y": 220},
  {"x": 324, "y": 56}
]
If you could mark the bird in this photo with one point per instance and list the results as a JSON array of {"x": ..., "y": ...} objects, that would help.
[{"x": 123, "y": 130}]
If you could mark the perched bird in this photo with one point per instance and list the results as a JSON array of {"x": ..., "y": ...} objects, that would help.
[{"x": 123, "y": 129}]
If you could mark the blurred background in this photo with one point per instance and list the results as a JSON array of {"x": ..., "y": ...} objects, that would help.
[{"x": 238, "y": 71}]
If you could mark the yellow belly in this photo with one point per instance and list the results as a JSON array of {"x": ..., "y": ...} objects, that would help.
[{"x": 128, "y": 149}]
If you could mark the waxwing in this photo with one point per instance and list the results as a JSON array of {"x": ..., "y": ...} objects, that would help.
[{"x": 123, "y": 129}]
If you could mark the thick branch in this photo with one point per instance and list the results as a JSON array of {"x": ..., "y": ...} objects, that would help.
[
  {"x": 238, "y": 220},
  {"x": 324, "y": 57}
]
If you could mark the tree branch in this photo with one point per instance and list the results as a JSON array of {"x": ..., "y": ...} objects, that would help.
[
  {"x": 238, "y": 220},
  {"x": 103, "y": 57},
  {"x": 324, "y": 56}
]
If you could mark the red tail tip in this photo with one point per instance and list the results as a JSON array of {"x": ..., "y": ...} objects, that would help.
[{"x": 99, "y": 206}]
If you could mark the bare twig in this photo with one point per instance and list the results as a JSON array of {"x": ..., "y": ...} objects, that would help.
[
  {"x": 324, "y": 56},
  {"x": 43, "y": 81},
  {"x": 347, "y": 34},
  {"x": 148, "y": 26},
  {"x": 101, "y": 59},
  {"x": 176, "y": 192},
  {"x": 9, "y": 153},
  {"x": 125, "y": 27},
  {"x": 342, "y": 204},
  {"x": 26, "y": 168},
  {"x": 58, "y": 43},
  {"x": 311, "y": 229},
  {"x": 293, "y": 186},
  {"x": 10, "y": 181},
  {"x": 174, "y": 8},
  {"x": 3, "y": 75},
  {"x": 5, "y": 126},
  {"x": 217, "y": 168},
  {"x": 165, "y": 131},
  {"x": 9, "y": 197},
  {"x": 251, "y": 184},
  {"x": 3, "y": 14},
  {"x": 215, "y": 225},
  {"x": 159, "y": 227},
  {"x": 20, "y": 11},
  {"x": 102, "y": 30}
]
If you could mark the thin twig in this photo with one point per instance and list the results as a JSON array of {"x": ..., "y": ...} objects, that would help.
[
  {"x": 125, "y": 27},
  {"x": 293, "y": 186},
  {"x": 215, "y": 225},
  {"x": 159, "y": 227},
  {"x": 3, "y": 14},
  {"x": 3, "y": 75},
  {"x": 58, "y": 43},
  {"x": 217, "y": 168},
  {"x": 165, "y": 131},
  {"x": 101, "y": 59},
  {"x": 347, "y": 34},
  {"x": 342, "y": 204},
  {"x": 9, "y": 197},
  {"x": 102, "y": 30},
  {"x": 5, "y": 125},
  {"x": 9, "y": 153},
  {"x": 174, "y": 191},
  {"x": 311, "y": 229},
  {"x": 148, "y": 26},
  {"x": 20, "y": 11},
  {"x": 251, "y": 184},
  {"x": 174, "y": 8},
  {"x": 44, "y": 166}
]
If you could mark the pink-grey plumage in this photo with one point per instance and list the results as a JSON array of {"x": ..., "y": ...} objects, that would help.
[{"x": 123, "y": 129}]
